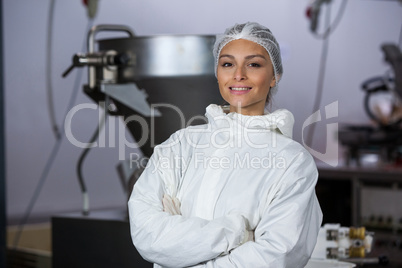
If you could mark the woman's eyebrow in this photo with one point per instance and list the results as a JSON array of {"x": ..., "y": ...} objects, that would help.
[
  {"x": 255, "y": 56},
  {"x": 247, "y": 57},
  {"x": 226, "y": 56}
]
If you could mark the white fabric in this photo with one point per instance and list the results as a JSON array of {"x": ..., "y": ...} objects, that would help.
[{"x": 236, "y": 173}]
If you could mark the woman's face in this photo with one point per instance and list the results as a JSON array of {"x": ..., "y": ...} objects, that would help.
[{"x": 245, "y": 75}]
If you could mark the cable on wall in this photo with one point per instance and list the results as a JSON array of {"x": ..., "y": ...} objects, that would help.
[
  {"x": 400, "y": 38},
  {"x": 49, "y": 89},
  {"x": 95, "y": 135},
  {"x": 54, "y": 151},
  {"x": 330, "y": 28}
]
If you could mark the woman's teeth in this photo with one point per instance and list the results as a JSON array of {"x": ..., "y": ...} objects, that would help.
[{"x": 240, "y": 88}]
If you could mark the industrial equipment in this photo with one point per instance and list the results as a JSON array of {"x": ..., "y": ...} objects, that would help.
[
  {"x": 380, "y": 143},
  {"x": 339, "y": 246},
  {"x": 337, "y": 242},
  {"x": 158, "y": 84}
]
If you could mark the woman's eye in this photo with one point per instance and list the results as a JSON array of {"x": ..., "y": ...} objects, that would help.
[
  {"x": 254, "y": 65},
  {"x": 226, "y": 64}
]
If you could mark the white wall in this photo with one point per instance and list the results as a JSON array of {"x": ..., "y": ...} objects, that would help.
[{"x": 354, "y": 56}]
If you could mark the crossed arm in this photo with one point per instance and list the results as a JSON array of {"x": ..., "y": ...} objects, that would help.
[
  {"x": 284, "y": 237},
  {"x": 176, "y": 241}
]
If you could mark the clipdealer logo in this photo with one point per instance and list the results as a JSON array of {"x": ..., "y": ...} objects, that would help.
[
  {"x": 202, "y": 161},
  {"x": 330, "y": 156},
  {"x": 229, "y": 135},
  {"x": 240, "y": 161}
]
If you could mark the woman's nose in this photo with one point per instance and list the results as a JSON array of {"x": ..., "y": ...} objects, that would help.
[{"x": 240, "y": 74}]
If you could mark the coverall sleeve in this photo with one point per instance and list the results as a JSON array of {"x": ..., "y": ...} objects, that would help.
[
  {"x": 173, "y": 240},
  {"x": 287, "y": 233}
]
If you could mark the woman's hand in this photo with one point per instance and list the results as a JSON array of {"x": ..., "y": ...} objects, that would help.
[
  {"x": 171, "y": 205},
  {"x": 248, "y": 237}
]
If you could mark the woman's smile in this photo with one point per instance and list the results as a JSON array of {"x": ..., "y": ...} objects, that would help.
[{"x": 240, "y": 89}]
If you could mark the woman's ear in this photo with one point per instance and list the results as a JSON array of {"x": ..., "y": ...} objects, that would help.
[
  {"x": 273, "y": 82},
  {"x": 274, "y": 79}
]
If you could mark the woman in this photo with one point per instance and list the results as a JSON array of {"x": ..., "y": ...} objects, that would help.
[{"x": 237, "y": 191}]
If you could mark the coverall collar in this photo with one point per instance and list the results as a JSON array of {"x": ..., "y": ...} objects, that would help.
[{"x": 280, "y": 120}]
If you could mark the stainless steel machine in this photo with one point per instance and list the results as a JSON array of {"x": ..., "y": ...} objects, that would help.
[
  {"x": 173, "y": 70},
  {"x": 165, "y": 82}
]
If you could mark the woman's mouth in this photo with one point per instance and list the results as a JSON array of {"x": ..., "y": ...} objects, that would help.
[{"x": 239, "y": 90}]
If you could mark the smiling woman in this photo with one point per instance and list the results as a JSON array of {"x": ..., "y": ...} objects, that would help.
[
  {"x": 237, "y": 191},
  {"x": 245, "y": 76}
]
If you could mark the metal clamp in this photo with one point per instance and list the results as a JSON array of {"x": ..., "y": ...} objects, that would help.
[{"x": 91, "y": 45}]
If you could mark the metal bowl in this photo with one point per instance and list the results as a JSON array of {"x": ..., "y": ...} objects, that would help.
[
  {"x": 163, "y": 56},
  {"x": 174, "y": 70}
]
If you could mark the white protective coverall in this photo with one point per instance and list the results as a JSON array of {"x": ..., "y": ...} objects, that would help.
[{"x": 233, "y": 174}]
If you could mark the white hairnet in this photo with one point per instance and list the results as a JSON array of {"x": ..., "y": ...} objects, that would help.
[{"x": 257, "y": 33}]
